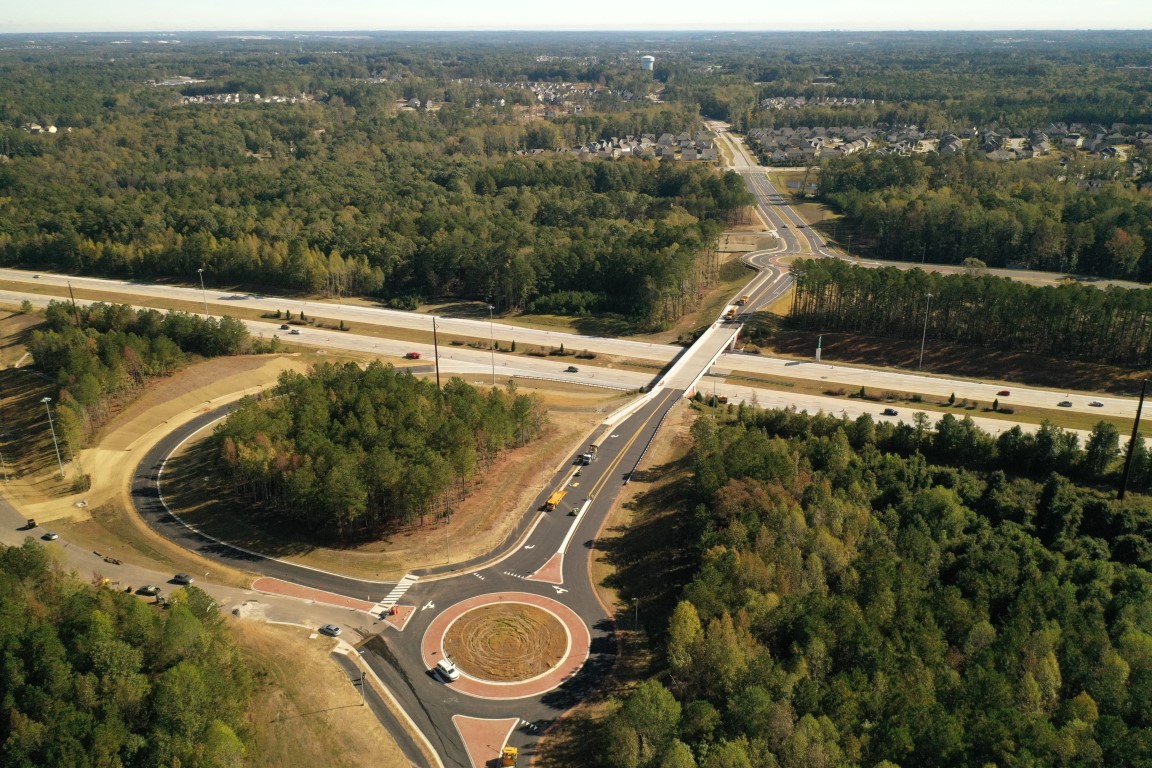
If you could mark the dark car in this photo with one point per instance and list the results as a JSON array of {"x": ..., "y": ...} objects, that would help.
[
  {"x": 151, "y": 590},
  {"x": 889, "y": 412},
  {"x": 1003, "y": 393},
  {"x": 183, "y": 578},
  {"x": 1064, "y": 404},
  {"x": 571, "y": 369},
  {"x": 284, "y": 326}
]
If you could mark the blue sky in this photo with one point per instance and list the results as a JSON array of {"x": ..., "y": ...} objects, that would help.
[{"x": 208, "y": 15}]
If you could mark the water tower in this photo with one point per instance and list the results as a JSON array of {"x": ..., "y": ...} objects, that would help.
[{"x": 647, "y": 63}]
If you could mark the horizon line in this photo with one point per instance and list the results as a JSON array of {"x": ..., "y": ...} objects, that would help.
[{"x": 441, "y": 30}]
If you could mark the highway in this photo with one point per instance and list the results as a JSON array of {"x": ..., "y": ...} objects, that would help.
[{"x": 545, "y": 559}]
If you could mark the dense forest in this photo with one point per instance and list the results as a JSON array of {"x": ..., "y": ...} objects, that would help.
[
  {"x": 342, "y": 191},
  {"x": 1068, "y": 321},
  {"x": 103, "y": 353},
  {"x": 1072, "y": 217},
  {"x": 857, "y": 602},
  {"x": 351, "y": 452},
  {"x": 94, "y": 677}
]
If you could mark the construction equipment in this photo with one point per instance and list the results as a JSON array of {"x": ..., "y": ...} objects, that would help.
[
  {"x": 554, "y": 499},
  {"x": 508, "y": 756},
  {"x": 743, "y": 300},
  {"x": 731, "y": 316}
]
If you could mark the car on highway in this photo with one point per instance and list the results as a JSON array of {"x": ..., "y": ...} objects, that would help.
[
  {"x": 50, "y": 536},
  {"x": 1064, "y": 404},
  {"x": 1003, "y": 393},
  {"x": 294, "y": 332},
  {"x": 331, "y": 630},
  {"x": 412, "y": 356},
  {"x": 571, "y": 369},
  {"x": 446, "y": 670},
  {"x": 151, "y": 590},
  {"x": 183, "y": 578},
  {"x": 285, "y": 327},
  {"x": 889, "y": 412},
  {"x": 1096, "y": 404}
]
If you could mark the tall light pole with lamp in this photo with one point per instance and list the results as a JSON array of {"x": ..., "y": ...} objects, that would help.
[
  {"x": 492, "y": 343},
  {"x": 55, "y": 444},
  {"x": 924, "y": 336},
  {"x": 203, "y": 292}
]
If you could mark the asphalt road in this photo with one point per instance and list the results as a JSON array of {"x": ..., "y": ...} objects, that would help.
[{"x": 539, "y": 536}]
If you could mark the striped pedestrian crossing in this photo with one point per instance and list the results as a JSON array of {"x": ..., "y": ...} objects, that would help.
[{"x": 393, "y": 597}]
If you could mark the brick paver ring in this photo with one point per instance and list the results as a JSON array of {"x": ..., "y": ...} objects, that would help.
[{"x": 578, "y": 636}]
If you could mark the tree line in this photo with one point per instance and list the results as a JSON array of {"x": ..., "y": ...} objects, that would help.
[
  {"x": 96, "y": 677},
  {"x": 1071, "y": 217},
  {"x": 102, "y": 353},
  {"x": 1066, "y": 321},
  {"x": 854, "y": 603},
  {"x": 350, "y": 452}
]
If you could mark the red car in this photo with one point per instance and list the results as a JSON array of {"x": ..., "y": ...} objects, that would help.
[
  {"x": 1003, "y": 393},
  {"x": 412, "y": 356}
]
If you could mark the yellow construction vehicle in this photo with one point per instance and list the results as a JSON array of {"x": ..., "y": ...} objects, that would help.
[
  {"x": 554, "y": 500},
  {"x": 508, "y": 756}
]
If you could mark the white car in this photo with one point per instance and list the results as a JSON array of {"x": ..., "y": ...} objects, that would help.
[
  {"x": 331, "y": 630},
  {"x": 446, "y": 670}
]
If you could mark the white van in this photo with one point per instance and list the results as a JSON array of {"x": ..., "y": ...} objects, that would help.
[{"x": 446, "y": 670}]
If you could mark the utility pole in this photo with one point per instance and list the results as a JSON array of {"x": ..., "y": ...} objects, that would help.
[
  {"x": 75, "y": 309},
  {"x": 436, "y": 352},
  {"x": 55, "y": 444},
  {"x": 1132, "y": 442},
  {"x": 924, "y": 336},
  {"x": 203, "y": 292},
  {"x": 492, "y": 344}
]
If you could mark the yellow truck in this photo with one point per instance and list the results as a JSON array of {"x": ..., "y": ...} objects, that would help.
[
  {"x": 731, "y": 316},
  {"x": 508, "y": 756},
  {"x": 554, "y": 500},
  {"x": 743, "y": 300}
]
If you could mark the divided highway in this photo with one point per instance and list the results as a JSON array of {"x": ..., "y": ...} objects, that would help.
[{"x": 545, "y": 560}]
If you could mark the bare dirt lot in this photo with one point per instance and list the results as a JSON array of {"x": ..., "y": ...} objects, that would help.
[{"x": 506, "y": 643}]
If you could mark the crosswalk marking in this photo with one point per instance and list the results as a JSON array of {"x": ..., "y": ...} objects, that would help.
[{"x": 402, "y": 586}]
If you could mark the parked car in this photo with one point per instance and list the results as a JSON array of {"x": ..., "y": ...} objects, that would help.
[
  {"x": 284, "y": 326},
  {"x": 889, "y": 412},
  {"x": 412, "y": 356},
  {"x": 1064, "y": 404},
  {"x": 1003, "y": 393},
  {"x": 151, "y": 590},
  {"x": 446, "y": 670},
  {"x": 1096, "y": 404},
  {"x": 50, "y": 536},
  {"x": 183, "y": 578},
  {"x": 571, "y": 369},
  {"x": 330, "y": 629}
]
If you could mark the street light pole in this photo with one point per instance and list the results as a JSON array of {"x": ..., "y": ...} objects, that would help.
[
  {"x": 492, "y": 344},
  {"x": 55, "y": 444},
  {"x": 636, "y": 619},
  {"x": 203, "y": 292},
  {"x": 924, "y": 336}
]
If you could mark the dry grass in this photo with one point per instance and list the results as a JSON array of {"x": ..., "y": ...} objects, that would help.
[
  {"x": 506, "y": 643},
  {"x": 306, "y": 711}
]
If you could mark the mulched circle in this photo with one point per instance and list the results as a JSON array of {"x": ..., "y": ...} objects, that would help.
[{"x": 506, "y": 643}]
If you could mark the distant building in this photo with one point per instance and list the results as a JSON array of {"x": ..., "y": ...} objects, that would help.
[{"x": 647, "y": 63}]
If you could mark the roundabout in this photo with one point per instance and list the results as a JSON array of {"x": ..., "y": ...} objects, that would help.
[{"x": 508, "y": 645}]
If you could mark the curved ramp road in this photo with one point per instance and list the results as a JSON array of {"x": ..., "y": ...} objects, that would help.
[{"x": 545, "y": 561}]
